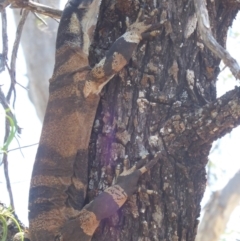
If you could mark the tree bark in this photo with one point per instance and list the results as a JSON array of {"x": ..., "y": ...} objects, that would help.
[
  {"x": 38, "y": 43},
  {"x": 165, "y": 99}
]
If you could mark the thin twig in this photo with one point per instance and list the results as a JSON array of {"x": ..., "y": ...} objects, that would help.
[
  {"x": 38, "y": 8},
  {"x": 14, "y": 53},
  {"x": 21, "y": 147},
  {"x": 40, "y": 18},
  {"x": 4, "y": 4},
  {"x": 5, "y": 164},
  {"x": 4, "y": 54},
  {"x": 5, "y": 105},
  {"x": 25, "y": 88},
  {"x": 4, "y": 102},
  {"x": 225, "y": 66},
  {"x": 57, "y": 20},
  {"x": 208, "y": 39}
]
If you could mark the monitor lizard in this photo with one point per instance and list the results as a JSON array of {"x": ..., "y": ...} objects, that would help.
[{"x": 60, "y": 173}]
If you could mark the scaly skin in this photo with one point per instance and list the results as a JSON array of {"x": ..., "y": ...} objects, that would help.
[{"x": 59, "y": 177}]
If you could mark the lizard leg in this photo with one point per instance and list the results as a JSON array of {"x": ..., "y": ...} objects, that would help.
[
  {"x": 58, "y": 188},
  {"x": 115, "y": 196},
  {"x": 107, "y": 203},
  {"x": 119, "y": 54}
]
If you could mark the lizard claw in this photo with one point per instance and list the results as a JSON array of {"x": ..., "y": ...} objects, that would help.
[
  {"x": 142, "y": 17},
  {"x": 153, "y": 33},
  {"x": 149, "y": 192},
  {"x": 150, "y": 164},
  {"x": 128, "y": 179}
]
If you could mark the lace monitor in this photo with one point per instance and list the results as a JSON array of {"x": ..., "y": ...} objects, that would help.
[{"x": 59, "y": 178}]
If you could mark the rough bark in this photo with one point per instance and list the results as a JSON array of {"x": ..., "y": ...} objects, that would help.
[
  {"x": 218, "y": 211},
  {"x": 164, "y": 100},
  {"x": 38, "y": 43}
]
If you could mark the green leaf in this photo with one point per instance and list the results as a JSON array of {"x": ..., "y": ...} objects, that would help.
[
  {"x": 12, "y": 132},
  {"x": 5, "y": 214},
  {"x": 5, "y": 229}
]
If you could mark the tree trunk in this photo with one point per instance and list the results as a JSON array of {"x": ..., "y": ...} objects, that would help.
[
  {"x": 165, "y": 99},
  {"x": 38, "y": 43}
]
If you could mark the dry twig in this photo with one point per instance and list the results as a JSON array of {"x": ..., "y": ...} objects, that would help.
[
  {"x": 14, "y": 53},
  {"x": 40, "y": 18},
  {"x": 4, "y": 4},
  {"x": 4, "y": 101},
  {"x": 38, "y": 8},
  {"x": 5, "y": 105},
  {"x": 4, "y": 55},
  {"x": 21, "y": 147},
  {"x": 210, "y": 41},
  {"x": 9, "y": 188}
]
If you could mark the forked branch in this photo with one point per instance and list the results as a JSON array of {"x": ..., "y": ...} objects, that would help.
[
  {"x": 38, "y": 8},
  {"x": 208, "y": 39},
  {"x": 217, "y": 118}
]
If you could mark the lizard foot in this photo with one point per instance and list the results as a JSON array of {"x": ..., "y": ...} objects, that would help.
[
  {"x": 128, "y": 179},
  {"x": 144, "y": 26},
  {"x": 147, "y": 191}
]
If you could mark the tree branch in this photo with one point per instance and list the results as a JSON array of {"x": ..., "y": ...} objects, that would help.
[
  {"x": 6, "y": 174},
  {"x": 4, "y": 55},
  {"x": 217, "y": 118},
  {"x": 4, "y": 4},
  {"x": 5, "y": 105},
  {"x": 208, "y": 39},
  {"x": 205, "y": 125},
  {"x": 12, "y": 70},
  {"x": 10, "y": 122},
  {"x": 233, "y": 3},
  {"x": 38, "y": 8},
  {"x": 218, "y": 210}
]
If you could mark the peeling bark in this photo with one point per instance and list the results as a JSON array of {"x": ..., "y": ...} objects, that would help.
[{"x": 210, "y": 41}]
